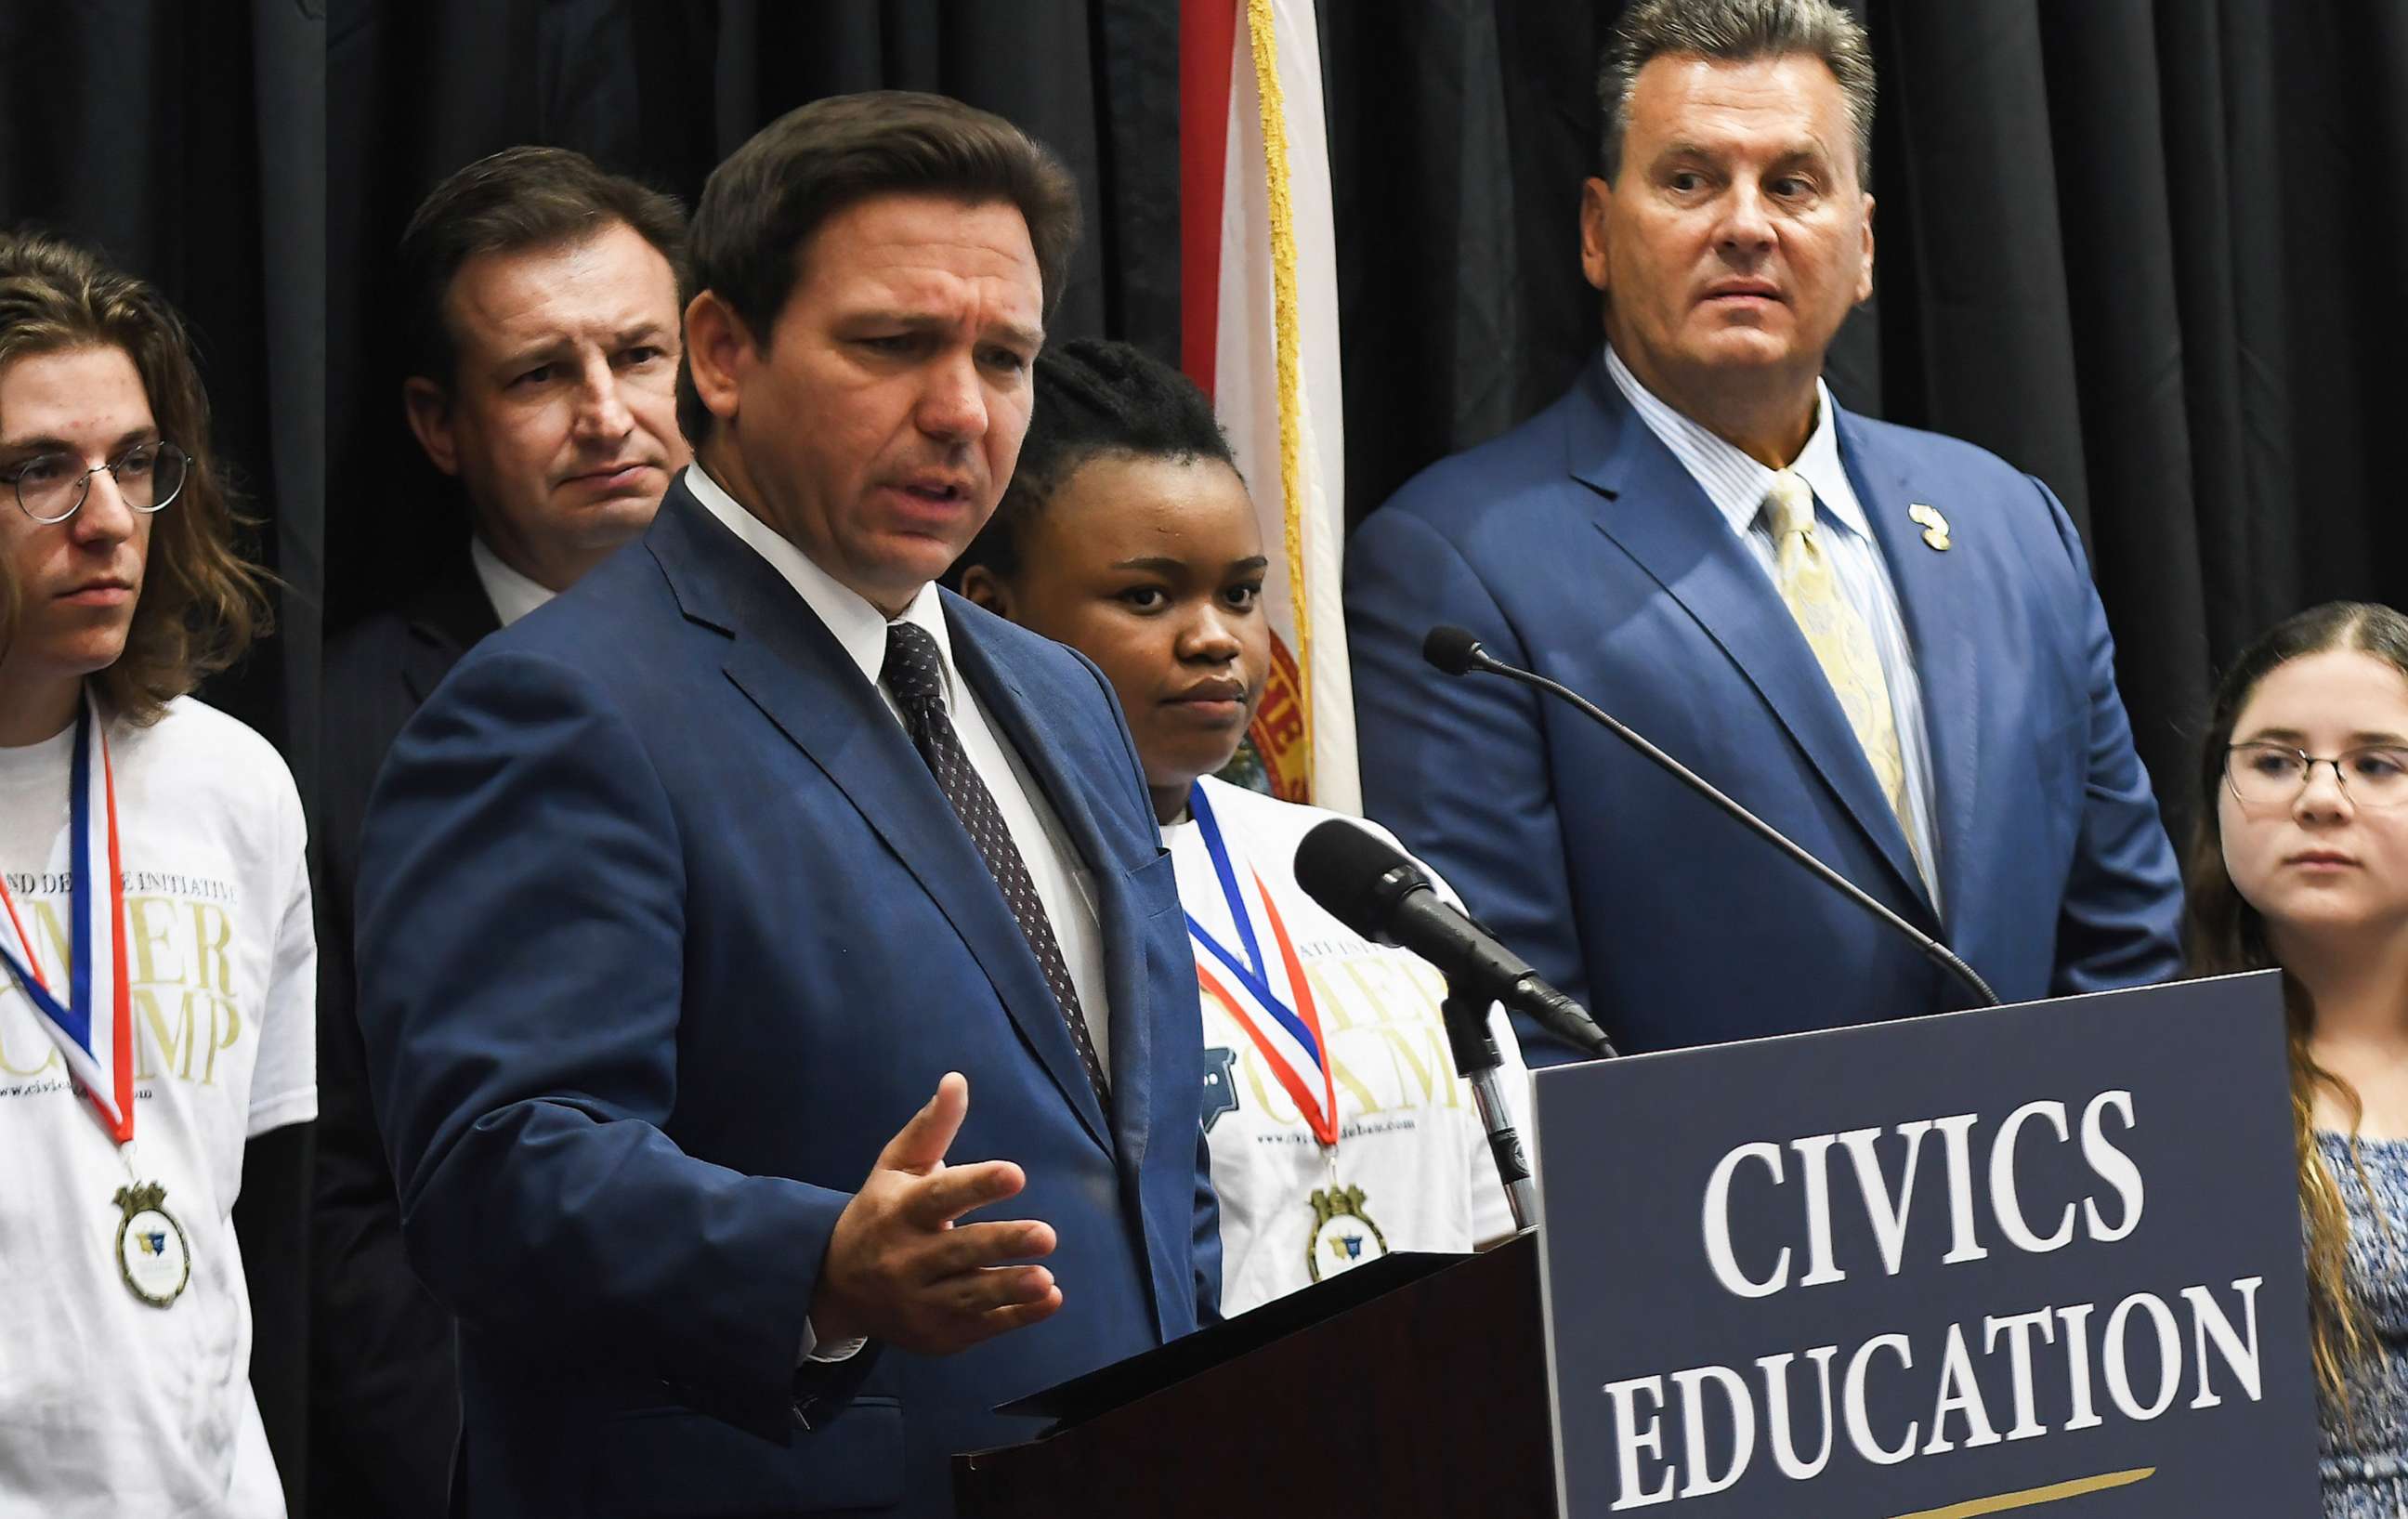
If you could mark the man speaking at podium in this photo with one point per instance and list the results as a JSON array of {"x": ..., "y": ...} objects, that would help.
[
  {"x": 684, "y": 899},
  {"x": 1884, "y": 642}
]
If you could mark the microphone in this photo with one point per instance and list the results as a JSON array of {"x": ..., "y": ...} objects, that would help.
[
  {"x": 1376, "y": 889},
  {"x": 1455, "y": 650}
]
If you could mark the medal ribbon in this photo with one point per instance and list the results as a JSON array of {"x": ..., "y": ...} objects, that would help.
[
  {"x": 1302, "y": 1022},
  {"x": 106, "y": 1067}
]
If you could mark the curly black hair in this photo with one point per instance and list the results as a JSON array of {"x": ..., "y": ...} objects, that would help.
[{"x": 1093, "y": 397}]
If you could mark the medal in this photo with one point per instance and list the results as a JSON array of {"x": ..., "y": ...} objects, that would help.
[
  {"x": 153, "y": 1257},
  {"x": 1342, "y": 1233},
  {"x": 99, "y": 1051}
]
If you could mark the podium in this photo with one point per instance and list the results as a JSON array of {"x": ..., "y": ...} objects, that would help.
[
  {"x": 1410, "y": 1386},
  {"x": 1933, "y": 1268}
]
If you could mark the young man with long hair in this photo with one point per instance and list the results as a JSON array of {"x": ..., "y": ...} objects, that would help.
[{"x": 156, "y": 957}]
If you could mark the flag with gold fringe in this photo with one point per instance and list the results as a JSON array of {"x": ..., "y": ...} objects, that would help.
[{"x": 1259, "y": 333}]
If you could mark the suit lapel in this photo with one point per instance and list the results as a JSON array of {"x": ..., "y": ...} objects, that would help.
[
  {"x": 788, "y": 665},
  {"x": 444, "y": 619},
  {"x": 1947, "y": 657},
  {"x": 1111, "y": 857},
  {"x": 1658, "y": 515}
]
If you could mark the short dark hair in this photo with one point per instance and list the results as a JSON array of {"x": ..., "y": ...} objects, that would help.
[
  {"x": 202, "y": 602},
  {"x": 1094, "y": 399},
  {"x": 1736, "y": 31},
  {"x": 760, "y": 207},
  {"x": 518, "y": 198}
]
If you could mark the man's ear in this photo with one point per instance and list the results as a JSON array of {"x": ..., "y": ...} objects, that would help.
[
  {"x": 984, "y": 588},
  {"x": 428, "y": 408},
  {"x": 1865, "y": 276},
  {"x": 716, "y": 343},
  {"x": 1597, "y": 198}
]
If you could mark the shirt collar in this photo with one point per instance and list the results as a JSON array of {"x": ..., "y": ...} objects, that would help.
[
  {"x": 859, "y": 627},
  {"x": 1734, "y": 482},
  {"x": 513, "y": 594}
]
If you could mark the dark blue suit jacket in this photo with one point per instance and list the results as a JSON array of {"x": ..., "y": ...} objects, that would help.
[
  {"x": 1578, "y": 546},
  {"x": 385, "y": 1394},
  {"x": 664, "y": 929}
]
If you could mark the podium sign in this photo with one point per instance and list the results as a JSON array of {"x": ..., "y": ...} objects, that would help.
[{"x": 1929, "y": 1269}]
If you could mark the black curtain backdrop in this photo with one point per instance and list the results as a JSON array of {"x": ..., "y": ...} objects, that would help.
[{"x": 188, "y": 143}]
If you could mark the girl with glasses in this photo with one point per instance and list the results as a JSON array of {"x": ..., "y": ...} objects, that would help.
[{"x": 2299, "y": 860}]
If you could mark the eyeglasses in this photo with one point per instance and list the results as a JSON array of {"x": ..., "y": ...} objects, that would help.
[
  {"x": 2273, "y": 775},
  {"x": 52, "y": 487}
]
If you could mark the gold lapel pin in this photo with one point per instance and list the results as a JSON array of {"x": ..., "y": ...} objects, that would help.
[{"x": 1935, "y": 526}]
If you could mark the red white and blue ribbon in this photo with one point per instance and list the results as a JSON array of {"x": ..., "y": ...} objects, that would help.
[
  {"x": 94, "y": 1027},
  {"x": 1285, "y": 1030}
]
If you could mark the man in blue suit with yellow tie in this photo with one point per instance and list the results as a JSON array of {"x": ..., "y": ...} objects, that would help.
[
  {"x": 775, "y": 991},
  {"x": 1884, "y": 643}
]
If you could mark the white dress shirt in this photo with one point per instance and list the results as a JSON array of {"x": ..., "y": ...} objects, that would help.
[
  {"x": 1737, "y": 485},
  {"x": 513, "y": 594},
  {"x": 1061, "y": 877}
]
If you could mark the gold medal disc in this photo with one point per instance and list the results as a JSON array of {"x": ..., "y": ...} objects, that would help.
[
  {"x": 1343, "y": 1235},
  {"x": 153, "y": 1257}
]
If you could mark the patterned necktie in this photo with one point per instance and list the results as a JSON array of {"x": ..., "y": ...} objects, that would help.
[
  {"x": 1834, "y": 629},
  {"x": 914, "y": 671}
]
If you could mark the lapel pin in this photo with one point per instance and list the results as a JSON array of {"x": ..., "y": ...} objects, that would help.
[{"x": 1935, "y": 526}]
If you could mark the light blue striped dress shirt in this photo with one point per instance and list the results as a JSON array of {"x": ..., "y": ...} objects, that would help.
[{"x": 1736, "y": 484}]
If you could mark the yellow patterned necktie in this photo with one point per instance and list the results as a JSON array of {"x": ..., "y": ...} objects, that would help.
[{"x": 1842, "y": 644}]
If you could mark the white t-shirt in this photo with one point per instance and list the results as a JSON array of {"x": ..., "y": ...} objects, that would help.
[
  {"x": 108, "y": 1406},
  {"x": 1412, "y": 1168}
]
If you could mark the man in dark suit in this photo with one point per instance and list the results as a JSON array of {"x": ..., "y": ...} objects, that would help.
[
  {"x": 1884, "y": 642},
  {"x": 681, "y": 900},
  {"x": 545, "y": 299}
]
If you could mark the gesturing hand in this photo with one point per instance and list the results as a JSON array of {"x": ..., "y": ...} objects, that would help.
[{"x": 900, "y": 1269}]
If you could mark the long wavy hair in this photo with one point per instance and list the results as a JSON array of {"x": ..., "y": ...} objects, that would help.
[
  {"x": 202, "y": 603},
  {"x": 2225, "y": 933}
]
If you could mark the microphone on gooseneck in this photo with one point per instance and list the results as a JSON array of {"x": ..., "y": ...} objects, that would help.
[
  {"x": 1455, "y": 650},
  {"x": 1375, "y": 888}
]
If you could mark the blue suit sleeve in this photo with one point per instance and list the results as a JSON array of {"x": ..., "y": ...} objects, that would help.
[
  {"x": 1457, "y": 767},
  {"x": 2119, "y": 922},
  {"x": 520, "y": 943}
]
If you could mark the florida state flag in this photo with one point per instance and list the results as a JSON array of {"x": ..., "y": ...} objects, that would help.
[{"x": 1259, "y": 333}]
